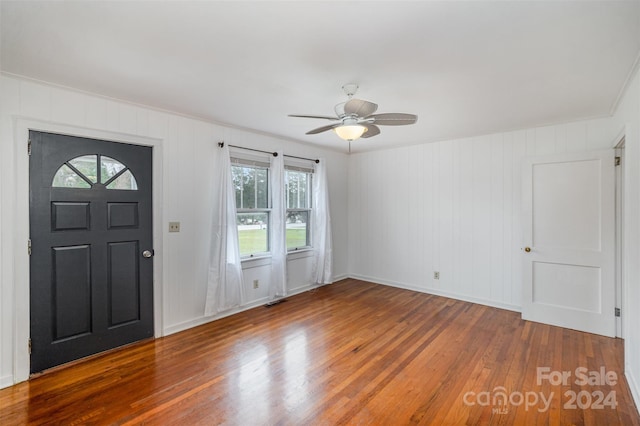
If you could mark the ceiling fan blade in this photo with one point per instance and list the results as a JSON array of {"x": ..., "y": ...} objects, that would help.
[
  {"x": 393, "y": 119},
  {"x": 359, "y": 107},
  {"x": 323, "y": 129},
  {"x": 372, "y": 130},
  {"x": 325, "y": 117}
]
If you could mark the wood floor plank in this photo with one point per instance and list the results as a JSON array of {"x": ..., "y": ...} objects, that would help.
[{"x": 350, "y": 353}]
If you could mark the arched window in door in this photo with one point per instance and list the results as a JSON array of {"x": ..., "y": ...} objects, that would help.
[{"x": 88, "y": 170}]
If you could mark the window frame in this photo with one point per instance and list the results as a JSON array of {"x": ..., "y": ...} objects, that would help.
[
  {"x": 309, "y": 209},
  {"x": 88, "y": 179},
  {"x": 261, "y": 164}
]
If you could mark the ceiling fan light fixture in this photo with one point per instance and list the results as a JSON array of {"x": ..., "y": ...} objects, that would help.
[
  {"x": 356, "y": 117},
  {"x": 350, "y": 132}
]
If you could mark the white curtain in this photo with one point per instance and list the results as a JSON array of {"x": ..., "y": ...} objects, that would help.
[
  {"x": 225, "y": 288},
  {"x": 278, "y": 287},
  {"x": 322, "y": 244}
]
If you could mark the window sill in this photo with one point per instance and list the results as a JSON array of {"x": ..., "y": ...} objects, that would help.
[
  {"x": 300, "y": 253},
  {"x": 265, "y": 259},
  {"x": 256, "y": 261}
]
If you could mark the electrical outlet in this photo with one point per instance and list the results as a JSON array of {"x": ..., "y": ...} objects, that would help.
[
  {"x": 436, "y": 275},
  {"x": 256, "y": 283},
  {"x": 174, "y": 226}
]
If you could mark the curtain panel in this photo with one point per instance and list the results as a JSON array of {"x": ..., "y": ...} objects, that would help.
[
  {"x": 225, "y": 285},
  {"x": 278, "y": 285},
  {"x": 321, "y": 225}
]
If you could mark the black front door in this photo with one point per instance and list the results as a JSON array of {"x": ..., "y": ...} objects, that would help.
[{"x": 91, "y": 247}]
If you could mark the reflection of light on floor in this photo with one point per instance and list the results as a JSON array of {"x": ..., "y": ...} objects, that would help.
[
  {"x": 296, "y": 368},
  {"x": 254, "y": 381},
  {"x": 257, "y": 375}
]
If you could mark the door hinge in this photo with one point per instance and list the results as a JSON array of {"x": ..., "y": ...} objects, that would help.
[
  {"x": 617, "y": 312},
  {"x": 29, "y": 147},
  {"x": 29, "y": 345},
  {"x": 29, "y": 246},
  {"x": 617, "y": 161}
]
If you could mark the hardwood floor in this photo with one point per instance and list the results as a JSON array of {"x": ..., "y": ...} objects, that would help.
[{"x": 349, "y": 353}]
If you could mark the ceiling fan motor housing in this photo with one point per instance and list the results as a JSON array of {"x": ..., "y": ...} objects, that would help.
[{"x": 356, "y": 117}]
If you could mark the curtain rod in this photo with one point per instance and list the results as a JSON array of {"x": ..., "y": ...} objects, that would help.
[{"x": 275, "y": 154}]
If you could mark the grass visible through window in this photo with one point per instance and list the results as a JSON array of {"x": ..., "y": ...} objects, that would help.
[
  {"x": 254, "y": 241},
  {"x": 296, "y": 237}
]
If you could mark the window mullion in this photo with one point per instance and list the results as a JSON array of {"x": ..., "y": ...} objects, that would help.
[
  {"x": 298, "y": 192},
  {"x": 242, "y": 187},
  {"x": 255, "y": 188}
]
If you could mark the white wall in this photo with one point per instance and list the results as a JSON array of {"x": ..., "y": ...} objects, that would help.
[
  {"x": 627, "y": 119},
  {"x": 455, "y": 207},
  {"x": 187, "y": 147},
  {"x": 452, "y": 207}
]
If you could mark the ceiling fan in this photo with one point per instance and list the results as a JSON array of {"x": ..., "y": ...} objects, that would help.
[{"x": 355, "y": 118}]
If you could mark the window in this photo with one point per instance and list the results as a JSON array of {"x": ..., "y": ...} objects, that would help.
[
  {"x": 298, "y": 193},
  {"x": 251, "y": 183},
  {"x": 83, "y": 172}
]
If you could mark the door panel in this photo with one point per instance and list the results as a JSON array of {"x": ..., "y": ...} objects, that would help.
[
  {"x": 576, "y": 287},
  {"x": 123, "y": 282},
  {"x": 90, "y": 220},
  {"x": 71, "y": 291},
  {"x": 68, "y": 216},
  {"x": 567, "y": 217},
  {"x": 122, "y": 215},
  {"x": 569, "y": 276}
]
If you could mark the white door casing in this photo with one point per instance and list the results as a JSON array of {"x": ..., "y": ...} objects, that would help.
[
  {"x": 619, "y": 212},
  {"x": 569, "y": 227},
  {"x": 21, "y": 318}
]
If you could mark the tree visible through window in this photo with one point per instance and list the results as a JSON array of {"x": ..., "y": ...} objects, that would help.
[
  {"x": 87, "y": 170},
  {"x": 251, "y": 183},
  {"x": 298, "y": 192},
  {"x": 253, "y": 212}
]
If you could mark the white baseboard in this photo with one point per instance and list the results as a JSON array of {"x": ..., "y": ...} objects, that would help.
[
  {"x": 176, "y": 328},
  {"x": 340, "y": 277},
  {"x": 301, "y": 289},
  {"x": 6, "y": 381},
  {"x": 438, "y": 292},
  {"x": 633, "y": 385}
]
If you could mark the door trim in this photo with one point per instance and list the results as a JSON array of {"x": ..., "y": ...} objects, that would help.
[
  {"x": 620, "y": 233},
  {"x": 21, "y": 284}
]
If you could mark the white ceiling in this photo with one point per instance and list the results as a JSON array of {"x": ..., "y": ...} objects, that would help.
[{"x": 465, "y": 68}]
